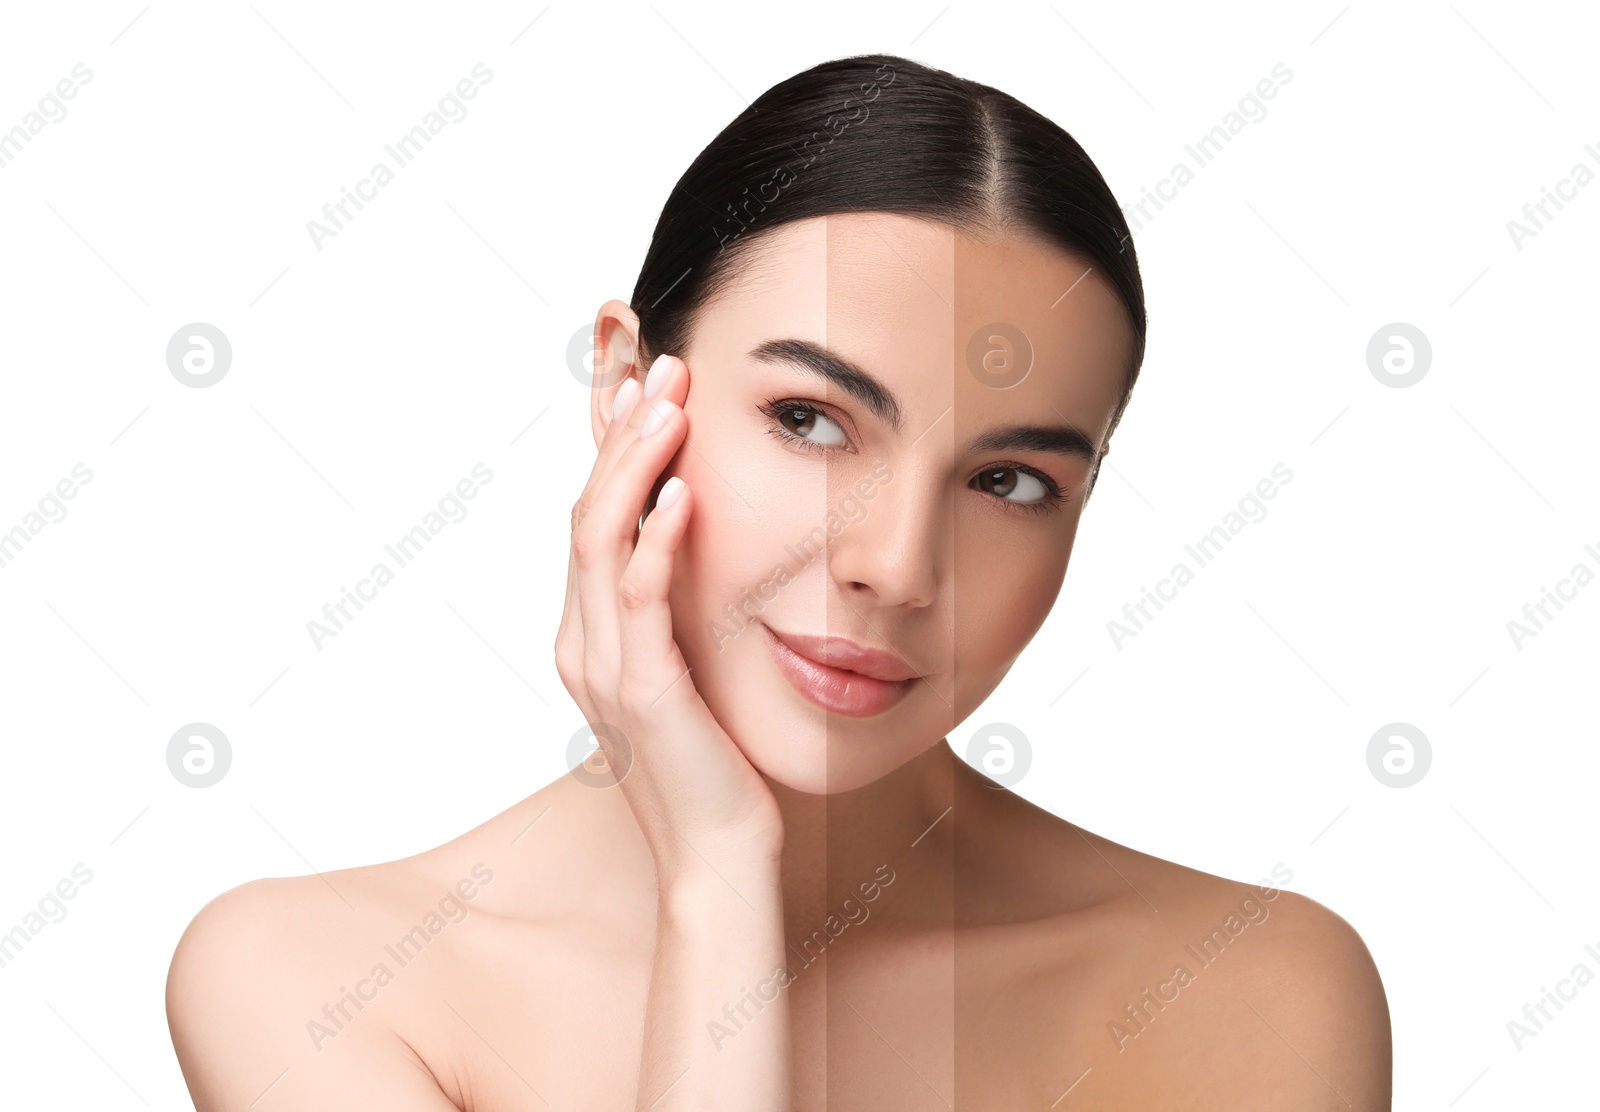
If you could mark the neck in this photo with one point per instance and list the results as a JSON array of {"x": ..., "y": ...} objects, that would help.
[{"x": 835, "y": 843}]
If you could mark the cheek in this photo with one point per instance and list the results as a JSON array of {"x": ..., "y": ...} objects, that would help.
[
  {"x": 728, "y": 554},
  {"x": 1003, "y": 594},
  {"x": 1000, "y": 614},
  {"x": 756, "y": 529}
]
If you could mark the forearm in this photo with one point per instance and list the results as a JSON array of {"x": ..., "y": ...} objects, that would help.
[{"x": 717, "y": 1017}]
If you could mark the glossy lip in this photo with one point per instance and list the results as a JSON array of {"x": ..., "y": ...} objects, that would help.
[{"x": 842, "y": 676}]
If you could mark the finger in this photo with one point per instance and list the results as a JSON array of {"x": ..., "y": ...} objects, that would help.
[
  {"x": 603, "y": 543},
  {"x": 687, "y": 755},
  {"x": 654, "y": 684},
  {"x": 667, "y": 378},
  {"x": 623, "y": 405},
  {"x": 651, "y": 662},
  {"x": 628, "y": 412}
]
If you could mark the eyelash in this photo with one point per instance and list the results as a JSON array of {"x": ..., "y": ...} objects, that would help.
[{"x": 774, "y": 408}]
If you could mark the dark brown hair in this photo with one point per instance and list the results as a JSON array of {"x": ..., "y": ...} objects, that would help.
[{"x": 878, "y": 133}]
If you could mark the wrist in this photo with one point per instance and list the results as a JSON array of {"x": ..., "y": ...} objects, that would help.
[{"x": 696, "y": 891}]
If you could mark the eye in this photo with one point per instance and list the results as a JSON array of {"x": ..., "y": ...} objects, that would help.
[
  {"x": 805, "y": 425},
  {"x": 802, "y": 422},
  {"x": 1022, "y": 487}
]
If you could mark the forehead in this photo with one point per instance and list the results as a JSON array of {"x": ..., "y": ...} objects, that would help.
[{"x": 944, "y": 317}]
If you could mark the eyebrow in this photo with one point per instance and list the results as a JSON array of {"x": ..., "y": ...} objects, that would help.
[{"x": 813, "y": 358}]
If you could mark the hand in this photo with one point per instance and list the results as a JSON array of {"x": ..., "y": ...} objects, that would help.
[{"x": 693, "y": 793}]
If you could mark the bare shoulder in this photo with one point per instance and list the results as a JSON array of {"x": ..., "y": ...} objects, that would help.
[
  {"x": 1245, "y": 994},
  {"x": 1313, "y": 999},
  {"x": 338, "y": 989},
  {"x": 1184, "y": 988},
  {"x": 259, "y": 988}
]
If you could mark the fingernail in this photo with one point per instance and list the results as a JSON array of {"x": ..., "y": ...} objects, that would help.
[
  {"x": 657, "y": 378},
  {"x": 655, "y": 420},
  {"x": 669, "y": 492},
  {"x": 622, "y": 404}
]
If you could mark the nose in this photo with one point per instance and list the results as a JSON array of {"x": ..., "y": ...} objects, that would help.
[{"x": 894, "y": 554}]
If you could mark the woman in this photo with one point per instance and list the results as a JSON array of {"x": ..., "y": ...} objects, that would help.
[{"x": 886, "y": 326}]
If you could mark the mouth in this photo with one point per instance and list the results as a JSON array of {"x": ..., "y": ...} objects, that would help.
[{"x": 839, "y": 675}]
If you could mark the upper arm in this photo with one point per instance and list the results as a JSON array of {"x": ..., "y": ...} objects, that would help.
[{"x": 243, "y": 994}]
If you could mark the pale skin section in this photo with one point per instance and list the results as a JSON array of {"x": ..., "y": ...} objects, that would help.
[{"x": 945, "y": 942}]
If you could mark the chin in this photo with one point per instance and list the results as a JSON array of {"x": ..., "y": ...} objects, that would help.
[
  {"x": 805, "y": 755},
  {"x": 804, "y": 747}
]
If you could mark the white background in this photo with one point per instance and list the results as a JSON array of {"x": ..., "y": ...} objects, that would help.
[{"x": 430, "y": 334}]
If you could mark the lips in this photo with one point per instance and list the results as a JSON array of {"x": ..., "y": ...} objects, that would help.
[
  {"x": 840, "y": 675},
  {"x": 846, "y": 655}
]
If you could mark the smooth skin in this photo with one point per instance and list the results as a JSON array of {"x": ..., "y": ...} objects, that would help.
[{"x": 777, "y": 907}]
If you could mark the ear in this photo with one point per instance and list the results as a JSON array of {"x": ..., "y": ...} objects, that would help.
[{"x": 616, "y": 359}]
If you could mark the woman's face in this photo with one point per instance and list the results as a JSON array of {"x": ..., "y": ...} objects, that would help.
[{"x": 866, "y": 466}]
